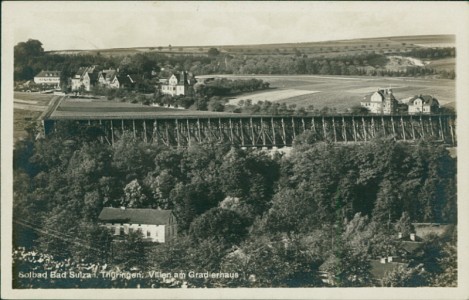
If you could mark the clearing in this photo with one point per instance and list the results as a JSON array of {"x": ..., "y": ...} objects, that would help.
[{"x": 342, "y": 92}]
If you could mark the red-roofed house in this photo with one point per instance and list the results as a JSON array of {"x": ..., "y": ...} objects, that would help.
[
  {"x": 423, "y": 104},
  {"x": 155, "y": 225}
]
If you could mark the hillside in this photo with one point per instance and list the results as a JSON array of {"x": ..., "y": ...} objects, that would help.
[{"x": 338, "y": 47}]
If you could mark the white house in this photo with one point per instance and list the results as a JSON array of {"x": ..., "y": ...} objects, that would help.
[
  {"x": 86, "y": 77},
  {"x": 423, "y": 104},
  {"x": 380, "y": 102},
  {"x": 48, "y": 78},
  {"x": 178, "y": 84},
  {"x": 109, "y": 78},
  {"x": 155, "y": 225}
]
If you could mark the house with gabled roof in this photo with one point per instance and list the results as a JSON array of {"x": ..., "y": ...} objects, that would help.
[
  {"x": 155, "y": 225},
  {"x": 46, "y": 77},
  {"x": 423, "y": 104},
  {"x": 85, "y": 77},
  {"x": 109, "y": 78},
  {"x": 178, "y": 84},
  {"x": 381, "y": 102}
]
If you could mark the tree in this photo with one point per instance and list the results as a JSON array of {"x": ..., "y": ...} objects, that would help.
[
  {"x": 403, "y": 276},
  {"x": 133, "y": 195},
  {"x": 129, "y": 251},
  {"x": 25, "y": 50},
  {"x": 358, "y": 110},
  {"x": 213, "y": 52},
  {"x": 226, "y": 226}
]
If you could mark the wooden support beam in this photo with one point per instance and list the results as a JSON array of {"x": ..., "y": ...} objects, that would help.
[
  {"x": 334, "y": 129},
  {"x": 313, "y": 125},
  {"x": 422, "y": 127},
  {"x": 393, "y": 127},
  {"x": 252, "y": 132},
  {"x": 431, "y": 126},
  {"x": 112, "y": 134},
  {"x": 324, "y": 129},
  {"x": 231, "y": 133},
  {"x": 263, "y": 128},
  {"x": 155, "y": 132},
  {"x": 177, "y": 134},
  {"x": 451, "y": 130},
  {"x": 198, "y": 130},
  {"x": 273, "y": 132},
  {"x": 293, "y": 126},
  {"x": 168, "y": 141},
  {"x": 412, "y": 126},
  {"x": 188, "y": 132},
  {"x": 133, "y": 126},
  {"x": 403, "y": 128},
  {"x": 220, "y": 129},
  {"x": 242, "y": 131},
  {"x": 384, "y": 125},
  {"x": 354, "y": 129},
  {"x": 303, "y": 123},
  {"x": 344, "y": 130},
  {"x": 372, "y": 126},
  {"x": 284, "y": 133},
  {"x": 122, "y": 125},
  {"x": 144, "y": 131},
  {"x": 364, "y": 129},
  {"x": 441, "y": 130}
]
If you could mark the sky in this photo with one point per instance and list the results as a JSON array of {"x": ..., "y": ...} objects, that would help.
[{"x": 100, "y": 25}]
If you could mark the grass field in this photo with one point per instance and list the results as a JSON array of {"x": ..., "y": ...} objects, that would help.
[
  {"x": 27, "y": 108},
  {"x": 342, "y": 92},
  {"x": 106, "y": 109}
]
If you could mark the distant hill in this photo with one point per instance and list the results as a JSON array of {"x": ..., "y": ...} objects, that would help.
[{"x": 324, "y": 48}]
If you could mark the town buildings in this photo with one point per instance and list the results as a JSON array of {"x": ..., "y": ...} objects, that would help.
[
  {"x": 381, "y": 102},
  {"x": 48, "y": 78},
  {"x": 178, "y": 84},
  {"x": 423, "y": 104},
  {"x": 109, "y": 78},
  {"x": 155, "y": 225},
  {"x": 85, "y": 78}
]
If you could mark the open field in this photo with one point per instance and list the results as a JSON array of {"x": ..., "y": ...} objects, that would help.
[
  {"x": 107, "y": 109},
  {"x": 28, "y": 107},
  {"x": 272, "y": 96},
  {"x": 326, "y": 48},
  {"x": 343, "y": 92}
]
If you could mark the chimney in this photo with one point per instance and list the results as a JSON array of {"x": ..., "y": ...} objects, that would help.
[
  {"x": 383, "y": 260},
  {"x": 399, "y": 235},
  {"x": 389, "y": 258},
  {"x": 412, "y": 237}
]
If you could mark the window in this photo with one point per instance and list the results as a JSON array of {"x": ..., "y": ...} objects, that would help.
[{"x": 148, "y": 233}]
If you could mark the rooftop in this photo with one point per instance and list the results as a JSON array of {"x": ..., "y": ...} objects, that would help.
[{"x": 135, "y": 216}]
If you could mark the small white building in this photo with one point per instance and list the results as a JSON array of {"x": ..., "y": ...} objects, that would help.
[
  {"x": 155, "y": 225},
  {"x": 178, "y": 84},
  {"x": 380, "y": 102},
  {"x": 423, "y": 104},
  {"x": 48, "y": 78}
]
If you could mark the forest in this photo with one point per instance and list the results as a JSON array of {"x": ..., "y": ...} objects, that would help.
[
  {"x": 30, "y": 59},
  {"x": 277, "y": 220}
]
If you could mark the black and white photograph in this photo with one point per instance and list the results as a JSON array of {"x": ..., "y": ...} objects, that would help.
[{"x": 228, "y": 150}]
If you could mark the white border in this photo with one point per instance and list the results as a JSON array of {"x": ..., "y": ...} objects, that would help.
[{"x": 461, "y": 14}]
